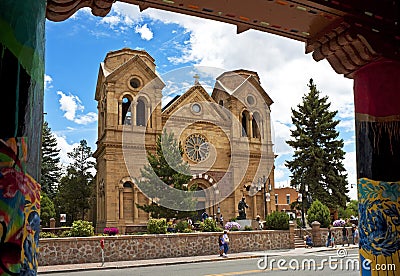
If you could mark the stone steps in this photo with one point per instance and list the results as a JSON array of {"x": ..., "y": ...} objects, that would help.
[{"x": 298, "y": 242}]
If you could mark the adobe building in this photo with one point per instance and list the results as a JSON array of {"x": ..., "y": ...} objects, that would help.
[
  {"x": 226, "y": 137},
  {"x": 284, "y": 197}
]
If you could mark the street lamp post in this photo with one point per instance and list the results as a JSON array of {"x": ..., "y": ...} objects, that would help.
[
  {"x": 216, "y": 193},
  {"x": 266, "y": 195}
]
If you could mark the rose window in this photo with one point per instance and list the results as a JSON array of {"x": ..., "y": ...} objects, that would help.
[{"x": 196, "y": 147}]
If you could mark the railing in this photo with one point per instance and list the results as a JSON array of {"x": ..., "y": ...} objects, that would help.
[{"x": 303, "y": 231}]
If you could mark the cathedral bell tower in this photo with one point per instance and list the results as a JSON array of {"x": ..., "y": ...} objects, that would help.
[{"x": 128, "y": 93}]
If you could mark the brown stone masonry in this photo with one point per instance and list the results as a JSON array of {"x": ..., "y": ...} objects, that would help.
[{"x": 139, "y": 247}]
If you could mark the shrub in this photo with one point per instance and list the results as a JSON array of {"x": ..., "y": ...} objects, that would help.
[
  {"x": 277, "y": 221},
  {"x": 319, "y": 212},
  {"x": 182, "y": 225},
  {"x": 82, "y": 228},
  {"x": 65, "y": 234},
  {"x": 209, "y": 225},
  {"x": 232, "y": 226},
  {"x": 187, "y": 230},
  {"x": 248, "y": 228},
  {"x": 157, "y": 226},
  {"x": 47, "y": 235},
  {"x": 111, "y": 231}
]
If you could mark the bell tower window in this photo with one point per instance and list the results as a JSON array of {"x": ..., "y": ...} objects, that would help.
[
  {"x": 140, "y": 113},
  {"x": 126, "y": 111},
  {"x": 244, "y": 124},
  {"x": 255, "y": 125}
]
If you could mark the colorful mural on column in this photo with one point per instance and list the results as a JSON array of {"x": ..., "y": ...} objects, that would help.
[
  {"x": 377, "y": 98},
  {"x": 19, "y": 211},
  {"x": 379, "y": 225},
  {"x": 21, "y": 113}
]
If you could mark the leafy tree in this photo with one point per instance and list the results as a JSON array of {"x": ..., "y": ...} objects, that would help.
[
  {"x": 318, "y": 153},
  {"x": 158, "y": 177},
  {"x": 350, "y": 210},
  {"x": 319, "y": 212},
  {"x": 47, "y": 210},
  {"x": 76, "y": 186},
  {"x": 50, "y": 167}
]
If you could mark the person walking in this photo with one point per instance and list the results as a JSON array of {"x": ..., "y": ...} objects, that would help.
[
  {"x": 356, "y": 235},
  {"x": 345, "y": 234},
  {"x": 226, "y": 243},
  {"x": 353, "y": 229},
  {"x": 328, "y": 242},
  {"x": 221, "y": 245},
  {"x": 333, "y": 240},
  {"x": 221, "y": 220}
]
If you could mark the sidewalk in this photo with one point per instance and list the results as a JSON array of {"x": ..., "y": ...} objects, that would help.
[{"x": 182, "y": 260}]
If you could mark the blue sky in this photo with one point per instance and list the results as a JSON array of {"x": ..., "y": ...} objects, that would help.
[{"x": 75, "y": 48}]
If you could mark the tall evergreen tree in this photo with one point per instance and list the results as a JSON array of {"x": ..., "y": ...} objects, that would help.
[
  {"x": 318, "y": 152},
  {"x": 160, "y": 174},
  {"x": 76, "y": 186},
  {"x": 50, "y": 167}
]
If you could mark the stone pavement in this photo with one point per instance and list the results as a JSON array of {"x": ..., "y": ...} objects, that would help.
[{"x": 182, "y": 260}]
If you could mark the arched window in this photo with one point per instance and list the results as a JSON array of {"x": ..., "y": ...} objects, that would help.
[
  {"x": 256, "y": 125},
  {"x": 128, "y": 201},
  {"x": 221, "y": 102},
  {"x": 244, "y": 123},
  {"x": 128, "y": 185},
  {"x": 126, "y": 111},
  {"x": 140, "y": 113}
]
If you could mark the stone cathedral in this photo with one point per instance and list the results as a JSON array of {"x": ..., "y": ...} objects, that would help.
[{"x": 226, "y": 138}]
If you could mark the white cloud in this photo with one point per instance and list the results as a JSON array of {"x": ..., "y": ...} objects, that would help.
[
  {"x": 144, "y": 31},
  {"x": 280, "y": 134},
  {"x": 71, "y": 104},
  {"x": 86, "y": 119},
  {"x": 48, "y": 82},
  {"x": 112, "y": 21},
  {"x": 85, "y": 10},
  {"x": 350, "y": 165},
  {"x": 65, "y": 148}
]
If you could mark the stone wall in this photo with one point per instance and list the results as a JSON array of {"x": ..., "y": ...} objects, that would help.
[{"x": 136, "y": 247}]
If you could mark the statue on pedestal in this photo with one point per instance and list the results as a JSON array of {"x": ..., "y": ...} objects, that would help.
[{"x": 241, "y": 208}]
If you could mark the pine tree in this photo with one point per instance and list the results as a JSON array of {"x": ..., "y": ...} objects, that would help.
[
  {"x": 157, "y": 177},
  {"x": 76, "y": 186},
  {"x": 50, "y": 167},
  {"x": 318, "y": 153}
]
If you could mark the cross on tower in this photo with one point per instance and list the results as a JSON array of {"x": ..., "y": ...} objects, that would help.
[{"x": 196, "y": 79}]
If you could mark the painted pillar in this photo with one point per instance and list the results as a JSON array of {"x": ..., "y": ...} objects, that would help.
[
  {"x": 377, "y": 107},
  {"x": 21, "y": 111}
]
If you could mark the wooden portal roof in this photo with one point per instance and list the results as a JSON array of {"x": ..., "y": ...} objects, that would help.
[{"x": 349, "y": 33}]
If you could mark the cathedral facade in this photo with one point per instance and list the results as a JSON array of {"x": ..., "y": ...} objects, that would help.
[{"x": 225, "y": 136}]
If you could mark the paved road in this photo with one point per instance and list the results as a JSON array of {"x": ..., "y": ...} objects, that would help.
[{"x": 316, "y": 263}]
